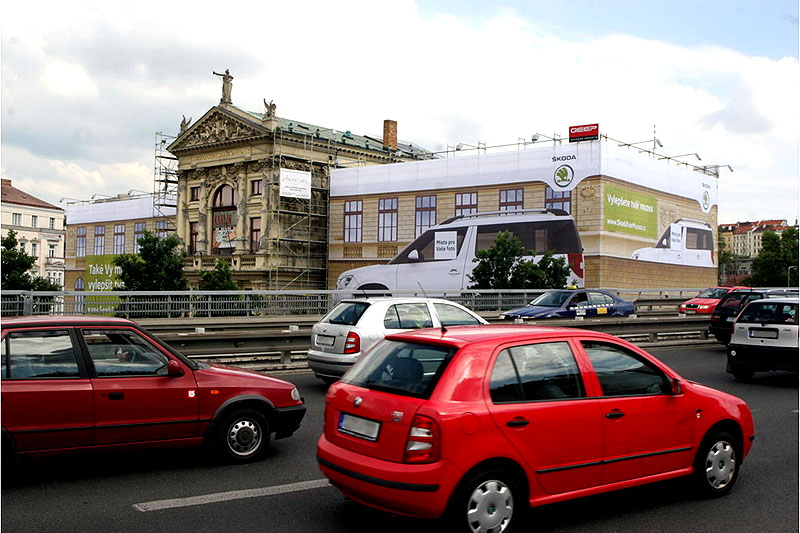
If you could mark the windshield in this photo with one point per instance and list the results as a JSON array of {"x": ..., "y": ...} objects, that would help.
[
  {"x": 346, "y": 313},
  {"x": 551, "y": 299},
  {"x": 716, "y": 292},
  {"x": 404, "y": 368}
]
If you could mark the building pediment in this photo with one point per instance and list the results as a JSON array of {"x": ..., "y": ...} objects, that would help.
[{"x": 214, "y": 129}]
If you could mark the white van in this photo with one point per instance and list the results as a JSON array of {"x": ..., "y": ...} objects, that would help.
[
  {"x": 442, "y": 258},
  {"x": 685, "y": 242}
]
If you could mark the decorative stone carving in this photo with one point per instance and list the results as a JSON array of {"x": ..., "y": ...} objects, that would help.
[
  {"x": 269, "y": 109},
  {"x": 185, "y": 123},
  {"x": 218, "y": 128}
]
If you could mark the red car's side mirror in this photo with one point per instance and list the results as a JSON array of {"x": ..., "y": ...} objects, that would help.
[
  {"x": 676, "y": 387},
  {"x": 174, "y": 369}
]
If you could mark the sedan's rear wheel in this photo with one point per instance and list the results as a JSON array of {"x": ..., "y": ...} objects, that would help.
[
  {"x": 717, "y": 465},
  {"x": 244, "y": 436}
]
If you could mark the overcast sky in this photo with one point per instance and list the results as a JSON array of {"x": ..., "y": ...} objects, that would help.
[{"x": 86, "y": 86}]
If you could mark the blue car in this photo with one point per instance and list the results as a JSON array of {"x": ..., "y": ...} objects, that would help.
[{"x": 571, "y": 303}]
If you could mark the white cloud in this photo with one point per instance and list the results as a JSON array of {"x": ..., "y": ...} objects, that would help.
[{"x": 69, "y": 80}]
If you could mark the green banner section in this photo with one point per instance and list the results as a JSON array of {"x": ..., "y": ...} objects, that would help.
[
  {"x": 630, "y": 212},
  {"x": 102, "y": 275}
]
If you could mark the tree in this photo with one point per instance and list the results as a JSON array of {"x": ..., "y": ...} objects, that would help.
[
  {"x": 16, "y": 266},
  {"x": 725, "y": 263},
  {"x": 502, "y": 266},
  {"x": 157, "y": 267},
  {"x": 771, "y": 268},
  {"x": 219, "y": 279}
]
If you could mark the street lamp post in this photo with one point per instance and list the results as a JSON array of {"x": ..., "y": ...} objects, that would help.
[{"x": 789, "y": 274}]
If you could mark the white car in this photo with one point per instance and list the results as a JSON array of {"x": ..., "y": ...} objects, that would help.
[
  {"x": 765, "y": 337},
  {"x": 353, "y": 326},
  {"x": 443, "y": 257},
  {"x": 685, "y": 242}
]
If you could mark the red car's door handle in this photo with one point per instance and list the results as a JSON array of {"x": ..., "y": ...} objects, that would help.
[
  {"x": 116, "y": 395},
  {"x": 517, "y": 423},
  {"x": 616, "y": 413}
]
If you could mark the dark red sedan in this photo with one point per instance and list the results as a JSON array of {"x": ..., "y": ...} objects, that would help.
[
  {"x": 78, "y": 383},
  {"x": 479, "y": 422}
]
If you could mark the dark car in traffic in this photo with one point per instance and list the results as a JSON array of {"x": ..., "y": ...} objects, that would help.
[
  {"x": 72, "y": 383},
  {"x": 722, "y": 318},
  {"x": 568, "y": 303}
]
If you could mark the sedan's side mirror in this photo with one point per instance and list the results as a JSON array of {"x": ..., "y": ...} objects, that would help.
[
  {"x": 413, "y": 255},
  {"x": 677, "y": 389},
  {"x": 174, "y": 369}
]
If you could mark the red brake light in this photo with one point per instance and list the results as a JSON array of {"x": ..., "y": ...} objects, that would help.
[
  {"x": 423, "y": 441},
  {"x": 353, "y": 343}
]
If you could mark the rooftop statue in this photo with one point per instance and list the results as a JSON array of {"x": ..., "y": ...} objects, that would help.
[{"x": 226, "y": 86}]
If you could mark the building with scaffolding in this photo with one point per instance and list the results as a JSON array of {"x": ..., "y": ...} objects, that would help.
[
  {"x": 100, "y": 229},
  {"x": 253, "y": 188}
]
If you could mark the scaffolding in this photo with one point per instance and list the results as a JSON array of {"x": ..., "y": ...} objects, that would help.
[
  {"x": 165, "y": 185},
  {"x": 298, "y": 248}
]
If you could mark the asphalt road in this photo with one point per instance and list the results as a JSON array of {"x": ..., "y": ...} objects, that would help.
[{"x": 180, "y": 490}]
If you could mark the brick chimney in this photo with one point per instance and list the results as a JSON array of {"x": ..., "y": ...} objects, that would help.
[{"x": 390, "y": 134}]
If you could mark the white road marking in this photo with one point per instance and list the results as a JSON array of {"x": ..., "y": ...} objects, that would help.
[{"x": 230, "y": 495}]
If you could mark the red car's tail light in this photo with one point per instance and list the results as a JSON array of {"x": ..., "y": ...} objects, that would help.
[
  {"x": 353, "y": 343},
  {"x": 423, "y": 441}
]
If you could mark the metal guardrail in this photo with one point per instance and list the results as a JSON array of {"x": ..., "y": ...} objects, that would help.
[
  {"x": 276, "y": 349},
  {"x": 209, "y": 304}
]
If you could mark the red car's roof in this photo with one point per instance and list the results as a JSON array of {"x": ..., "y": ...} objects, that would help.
[
  {"x": 43, "y": 320},
  {"x": 463, "y": 335}
]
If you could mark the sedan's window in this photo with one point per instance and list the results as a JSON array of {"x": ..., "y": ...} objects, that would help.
[
  {"x": 121, "y": 352},
  {"x": 579, "y": 300},
  {"x": 404, "y": 368},
  {"x": 346, "y": 313},
  {"x": 598, "y": 298},
  {"x": 39, "y": 354},
  {"x": 450, "y": 315},
  {"x": 408, "y": 316},
  {"x": 622, "y": 373}
]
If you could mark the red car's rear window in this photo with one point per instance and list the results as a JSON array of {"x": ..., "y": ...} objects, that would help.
[{"x": 405, "y": 368}]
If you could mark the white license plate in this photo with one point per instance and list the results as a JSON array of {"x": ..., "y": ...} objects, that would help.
[
  {"x": 763, "y": 333},
  {"x": 359, "y": 427},
  {"x": 690, "y": 311},
  {"x": 729, "y": 319},
  {"x": 324, "y": 340}
]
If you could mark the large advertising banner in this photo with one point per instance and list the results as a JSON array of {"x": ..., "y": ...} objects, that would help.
[
  {"x": 630, "y": 212},
  {"x": 295, "y": 183},
  {"x": 102, "y": 274}
]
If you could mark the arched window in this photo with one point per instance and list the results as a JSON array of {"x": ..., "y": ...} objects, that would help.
[
  {"x": 225, "y": 197},
  {"x": 224, "y": 221}
]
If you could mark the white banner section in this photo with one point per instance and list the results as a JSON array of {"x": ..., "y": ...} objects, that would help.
[
  {"x": 295, "y": 183},
  {"x": 445, "y": 245}
]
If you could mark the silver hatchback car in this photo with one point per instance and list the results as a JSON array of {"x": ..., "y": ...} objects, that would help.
[
  {"x": 353, "y": 326},
  {"x": 765, "y": 337}
]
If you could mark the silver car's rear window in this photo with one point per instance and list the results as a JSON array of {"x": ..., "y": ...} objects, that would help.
[
  {"x": 346, "y": 313},
  {"x": 769, "y": 313},
  {"x": 404, "y": 368}
]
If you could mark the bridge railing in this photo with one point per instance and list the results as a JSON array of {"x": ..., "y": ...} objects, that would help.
[{"x": 176, "y": 304}]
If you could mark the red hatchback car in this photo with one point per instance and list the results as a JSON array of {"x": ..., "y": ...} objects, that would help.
[
  {"x": 479, "y": 422},
  {"x": 705, "y": 302},
  {"x": 76, "y": 383}
]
